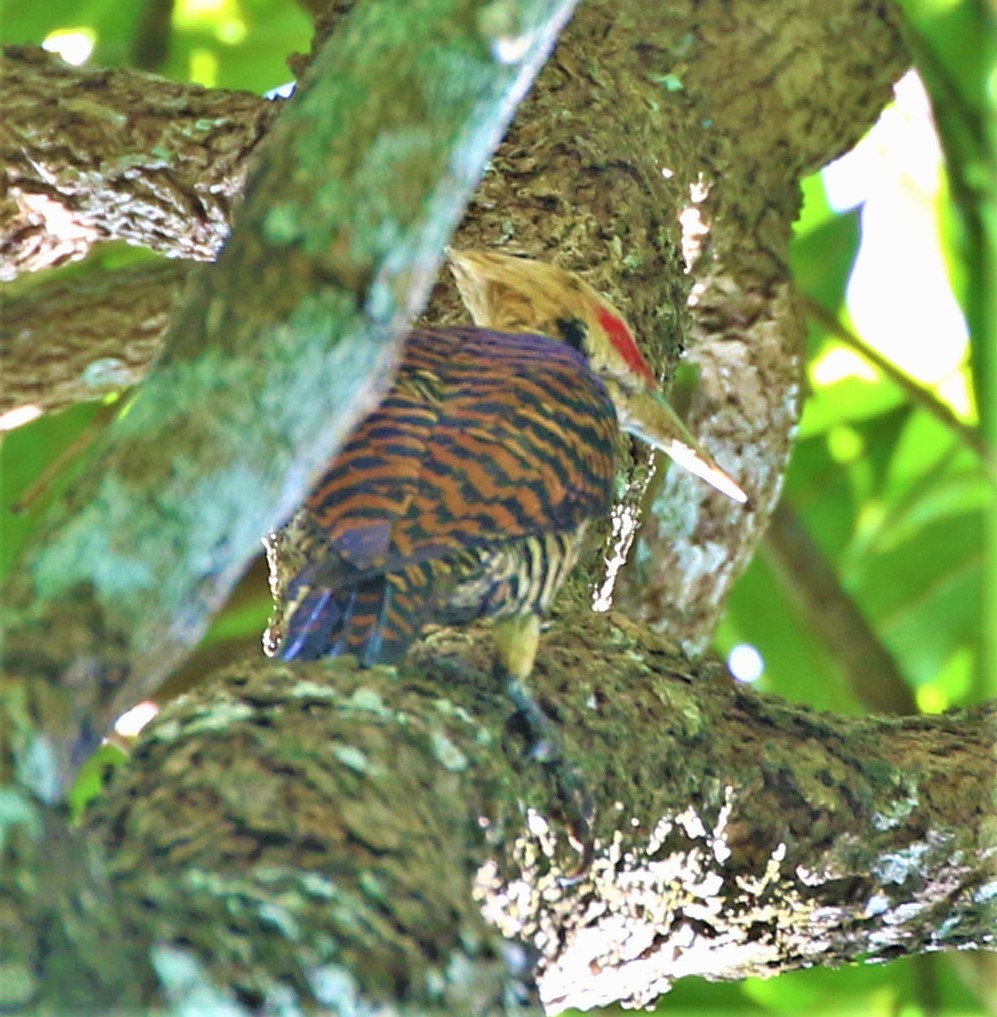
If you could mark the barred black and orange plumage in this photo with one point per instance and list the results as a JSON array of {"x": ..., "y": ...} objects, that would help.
[
  {"x": 467, "y": 492},
  {"x": 463, "y": 495}
]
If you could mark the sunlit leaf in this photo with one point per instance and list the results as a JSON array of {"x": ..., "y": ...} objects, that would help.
[
  {"x": 822, "y": 257},
  {"x": 851, "y": 400},
  {"x": 25, "y": 454}
]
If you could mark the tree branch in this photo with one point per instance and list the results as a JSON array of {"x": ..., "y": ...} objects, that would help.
[
  {"x": 78, "y": 339},
  {"x": 920, "y": 396},
  {"x": 343, "y": 269},
  {"x": 766, "y": 129},
  {"x": 92, "y": 155},
  {"x": 346, "y": 218},
  {"x": 749, "y": 836},
  {"x": 872, "y": 674}
]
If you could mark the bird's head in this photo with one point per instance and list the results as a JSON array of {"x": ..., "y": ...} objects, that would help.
[{"x": 510, "y": 294}]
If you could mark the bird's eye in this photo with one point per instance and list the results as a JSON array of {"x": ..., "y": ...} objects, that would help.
[{"x": 572, "y": 331}]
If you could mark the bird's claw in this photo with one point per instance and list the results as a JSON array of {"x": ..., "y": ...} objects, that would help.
[{"x": 544, "y": 746}]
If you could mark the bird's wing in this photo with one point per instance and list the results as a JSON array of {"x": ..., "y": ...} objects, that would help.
[
  {"x": 372, "y": 482},
  {"x": 483, "y": 438}
]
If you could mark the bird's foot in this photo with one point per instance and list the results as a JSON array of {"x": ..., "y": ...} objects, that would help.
[{"x": 545, "y": 746}]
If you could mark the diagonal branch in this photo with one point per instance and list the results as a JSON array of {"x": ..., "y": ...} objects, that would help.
[
  {"x": 873, "y": 675},
  {"x": 971, "y": 437},
  {"x": 351, "y": 203}
]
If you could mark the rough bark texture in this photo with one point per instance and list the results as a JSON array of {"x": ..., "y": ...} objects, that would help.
[
  {"x": 642, "y": 118},
  {"x": 765, "y": 130},
  {"x": 90, "y": 154},
  {"x": 338, "y": 829},
  {"x": 82, "y": 338}
]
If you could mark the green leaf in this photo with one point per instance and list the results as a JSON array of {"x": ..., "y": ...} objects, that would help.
[
  {"x": 93, "y": 776},
  {"x": 848, "y": 401},
  {"x": 25, "y": 453},
  {"x": 821, "y": 259}
]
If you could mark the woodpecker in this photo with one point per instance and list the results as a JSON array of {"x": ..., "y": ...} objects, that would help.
[{"x": 467, "y": 492}]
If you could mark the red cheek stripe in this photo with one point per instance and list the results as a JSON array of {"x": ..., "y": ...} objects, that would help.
[{"x": 620, "y": 337}]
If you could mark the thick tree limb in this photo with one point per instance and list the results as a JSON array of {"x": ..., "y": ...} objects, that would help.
[
  {"x": 91, "y": 154},
  {"x": 766, "y": 131},
  {"x": 749, "y": 836},
  {"x": 78, "y": 339}
]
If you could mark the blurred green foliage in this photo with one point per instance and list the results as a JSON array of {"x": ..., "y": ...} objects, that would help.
[{"x": 893, "y": 497}]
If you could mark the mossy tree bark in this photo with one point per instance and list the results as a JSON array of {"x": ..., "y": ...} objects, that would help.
[
  {"x": 359, "y": 185},
  {"x": 341, "y": 831}
]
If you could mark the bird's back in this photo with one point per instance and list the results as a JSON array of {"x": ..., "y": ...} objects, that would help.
[{"x": 451, "y": 499}]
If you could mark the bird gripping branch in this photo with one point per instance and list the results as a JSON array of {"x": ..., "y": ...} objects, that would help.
[{"x": 467, "y": 492}]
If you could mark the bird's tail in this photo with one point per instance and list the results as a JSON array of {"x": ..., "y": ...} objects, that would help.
[{"x": 373, "y": 617}]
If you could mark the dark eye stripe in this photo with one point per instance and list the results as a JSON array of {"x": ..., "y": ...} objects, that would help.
[{"x": 572, "y": 331}]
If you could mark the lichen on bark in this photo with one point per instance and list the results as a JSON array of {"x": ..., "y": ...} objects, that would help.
[{"x": 736, "y": 835}]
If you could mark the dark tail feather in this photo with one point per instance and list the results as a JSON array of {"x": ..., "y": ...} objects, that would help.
[
  {"x": 374, "y": 619},
  {"x": 388, "y": 615},
  {"x": 313, "y": 623}
]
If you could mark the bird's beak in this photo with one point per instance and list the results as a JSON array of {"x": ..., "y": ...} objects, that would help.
[{"x": 647, "y": 415}]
